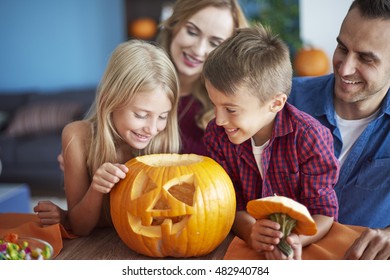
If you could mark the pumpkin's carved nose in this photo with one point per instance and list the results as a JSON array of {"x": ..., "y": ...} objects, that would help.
[{"x": 183, "y": 192}]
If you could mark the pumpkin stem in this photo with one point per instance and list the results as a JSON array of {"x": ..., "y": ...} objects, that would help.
[{"x": 286, "y": 226}]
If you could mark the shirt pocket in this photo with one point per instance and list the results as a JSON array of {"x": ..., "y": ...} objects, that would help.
[{"x": 374, "y": 174}]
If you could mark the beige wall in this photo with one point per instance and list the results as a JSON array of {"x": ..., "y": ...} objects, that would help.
[{"x": 320, "y": 22}]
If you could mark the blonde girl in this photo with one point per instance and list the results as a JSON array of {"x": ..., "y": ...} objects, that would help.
[{"x": 135, "y": 113}]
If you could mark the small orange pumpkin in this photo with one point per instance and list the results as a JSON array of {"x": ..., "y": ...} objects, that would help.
[
  {"x": 311, "y": 62},
  {"x": 173, "y": 205},
  {"x": 144, "y": 28}
]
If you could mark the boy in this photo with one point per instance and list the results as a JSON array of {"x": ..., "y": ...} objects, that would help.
[{"x": 266, "y": 145}]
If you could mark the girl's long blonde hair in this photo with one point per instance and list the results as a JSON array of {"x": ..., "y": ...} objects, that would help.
[
  {"x": 135, "y": 66},
  {"x": 182, "y": 11}
]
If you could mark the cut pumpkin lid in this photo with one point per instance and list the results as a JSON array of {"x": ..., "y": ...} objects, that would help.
[{"x": 263, "y": 207}]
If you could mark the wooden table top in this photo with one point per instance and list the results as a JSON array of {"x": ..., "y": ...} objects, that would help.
[{"x": 105, "y": 244}]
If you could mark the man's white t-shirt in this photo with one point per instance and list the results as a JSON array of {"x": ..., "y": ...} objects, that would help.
[{"x": 350, "y": 131}]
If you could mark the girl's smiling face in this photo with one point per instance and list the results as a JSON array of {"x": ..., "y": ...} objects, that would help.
[
  {"x": 201, "y": 34},
  {"x": 142, "y": 119}
]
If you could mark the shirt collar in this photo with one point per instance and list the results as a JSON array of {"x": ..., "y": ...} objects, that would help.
[
  {"x": 326, "y": 105},
  {"x": 386, "y": 103},
  {"x": 282, "y": 124}
]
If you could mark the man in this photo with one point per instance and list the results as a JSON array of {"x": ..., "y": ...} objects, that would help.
[{"x": 354, "y": 103}]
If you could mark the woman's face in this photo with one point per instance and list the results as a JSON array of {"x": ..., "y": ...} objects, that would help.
[
  {"x": 199, "y": 35},
  {"x": 147, "y": 115}
]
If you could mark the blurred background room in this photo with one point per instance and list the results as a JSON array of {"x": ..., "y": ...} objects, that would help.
[{"x": 53, "y": 54}]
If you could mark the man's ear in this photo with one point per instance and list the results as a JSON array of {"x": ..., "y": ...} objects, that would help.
[{"x": 278, "y": 102}]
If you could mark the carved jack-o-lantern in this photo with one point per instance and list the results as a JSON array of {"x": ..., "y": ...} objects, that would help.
[{"x": 173, "y": 205}]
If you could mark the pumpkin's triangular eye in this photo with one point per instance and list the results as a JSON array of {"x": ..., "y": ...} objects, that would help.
[
  {"x": 149, "y": 187},
  {"x": 142, "y": 185},
  {"x": 183, "y": 192}
]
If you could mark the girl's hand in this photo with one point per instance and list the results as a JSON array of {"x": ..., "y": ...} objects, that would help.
[
  {"x": 50, "y": 214},
  {"x": 60, "y": 159},
  {"x": 107, "y": 176},
  {"x": 265, "y": 235}
]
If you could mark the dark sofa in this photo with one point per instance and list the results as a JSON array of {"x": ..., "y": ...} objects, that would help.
[{"x": 30, "y": 135}]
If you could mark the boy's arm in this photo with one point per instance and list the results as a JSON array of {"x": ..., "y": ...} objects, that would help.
[
  {"x": 319, "y": 171},
  {"x": 242, "y": 226},
  {"x": 324, "y": 223}
]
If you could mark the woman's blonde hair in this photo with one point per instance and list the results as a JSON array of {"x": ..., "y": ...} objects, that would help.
[
  {"x": 135, "y": 66},
  {"x": 182, "y": 11}
]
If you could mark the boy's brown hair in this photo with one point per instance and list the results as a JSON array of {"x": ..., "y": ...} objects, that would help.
[{"x": 252, "y": 59}]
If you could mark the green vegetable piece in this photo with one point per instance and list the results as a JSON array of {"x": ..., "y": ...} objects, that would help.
[{"x": 287, "y": 224}]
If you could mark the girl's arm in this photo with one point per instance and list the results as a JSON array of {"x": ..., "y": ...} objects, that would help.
[
  {"x": 84, "y": 194},
  {"x": 84, "y": 206}
]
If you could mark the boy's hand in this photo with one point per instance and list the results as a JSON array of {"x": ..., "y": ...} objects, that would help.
[
  {"x": 265, "y": 235},
  {"x": 107, "y": 176},
  {"x": 295, "y": 244}
]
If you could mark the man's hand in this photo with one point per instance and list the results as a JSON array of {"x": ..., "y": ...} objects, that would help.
[{"x": 373, "y": 244}]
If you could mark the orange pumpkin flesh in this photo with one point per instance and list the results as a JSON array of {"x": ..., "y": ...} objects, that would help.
[
  {"x": 263, "y": 207},
  {"x": 311, "y": 62},
  {"x": 173, "y": 205}
]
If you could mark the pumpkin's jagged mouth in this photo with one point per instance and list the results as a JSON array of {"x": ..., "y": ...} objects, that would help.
[
  {"x": 159, "y": 220},
  {"x": 159, "y": 226}
]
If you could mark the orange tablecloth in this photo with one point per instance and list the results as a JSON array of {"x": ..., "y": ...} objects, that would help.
[
  {"x": 28, "y": 225},
  {"x": 331, "y": 247}
]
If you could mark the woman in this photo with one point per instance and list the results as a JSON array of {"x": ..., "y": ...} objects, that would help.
[{"x": 194, "y": 29}]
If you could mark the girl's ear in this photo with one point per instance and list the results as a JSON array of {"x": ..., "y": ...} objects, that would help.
[{"x": 278, "y": 102}]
